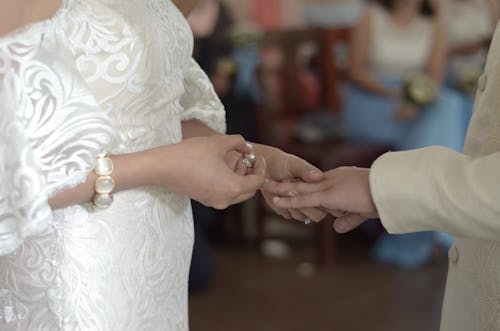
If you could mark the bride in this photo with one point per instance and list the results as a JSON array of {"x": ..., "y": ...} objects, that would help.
[{"x": 96, "y": 241}]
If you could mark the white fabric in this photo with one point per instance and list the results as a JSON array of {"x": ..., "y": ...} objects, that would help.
[
  {"x": 396, "y": 50},
  {"x": 99, "y": 75},
  {"x": 467, "y": 21}
]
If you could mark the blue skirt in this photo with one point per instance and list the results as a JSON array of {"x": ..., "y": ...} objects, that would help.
[{"x": 370, "y": 117}]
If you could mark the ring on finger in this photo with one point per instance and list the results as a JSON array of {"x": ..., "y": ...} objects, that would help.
[{"x": 249, "y": 160}]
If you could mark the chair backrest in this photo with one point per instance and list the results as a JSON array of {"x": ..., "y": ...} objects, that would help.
[
  {"x": 282, "y": 86},
  {"x": 335, "y": 51}
]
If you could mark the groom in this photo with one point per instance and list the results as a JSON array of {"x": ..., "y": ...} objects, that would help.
[{"x": 433, "y": 189}]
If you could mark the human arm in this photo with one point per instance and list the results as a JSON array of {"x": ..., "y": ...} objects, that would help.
[
  {"x": 279, "y": 166},
  {"x": 431, "y": 189},
  {"x": 436, "y": 64},
  {"x": 177, "y": 168},
  {"x": 439, "y": 190},
  {"x": 202, "y": 115},
  {"x": 48, "y": 151}
]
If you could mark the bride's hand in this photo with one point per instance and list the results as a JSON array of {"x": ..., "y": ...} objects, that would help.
[
  {"x": 283, "y": 167},
  {"x": 203, "y": 173}
]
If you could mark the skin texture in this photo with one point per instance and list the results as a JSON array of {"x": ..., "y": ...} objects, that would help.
[{"x": 344, "y": 192}]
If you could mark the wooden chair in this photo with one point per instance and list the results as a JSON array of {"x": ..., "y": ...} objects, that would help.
[{"x": 282, "y": 108}]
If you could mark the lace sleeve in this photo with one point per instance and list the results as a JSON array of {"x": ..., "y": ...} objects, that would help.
[
  {"x": 51, "y": 130},
  {"x": 23, "y": 204},
  {"x": 200, "y": 100}
]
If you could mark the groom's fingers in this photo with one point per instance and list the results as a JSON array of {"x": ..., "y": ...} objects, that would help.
[
  {"x": 348, "y": 222},
  {"x": 300, "y": 201},
  {"x": 288, "y": 189},
  {"x": 282, "y": 212},
  {"x": 302, "y": 169}
]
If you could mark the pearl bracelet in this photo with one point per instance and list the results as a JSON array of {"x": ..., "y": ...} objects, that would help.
[{"x": 104, "y": 184}]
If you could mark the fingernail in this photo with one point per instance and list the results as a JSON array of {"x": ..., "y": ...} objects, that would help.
[
  {"x": 276, "y": 199},
  {"x": 292, "y": 194},
  {"x": 249, "y": 145},
  {"x": 267, "y": 180},
  {"x": 316, "y": 172}
]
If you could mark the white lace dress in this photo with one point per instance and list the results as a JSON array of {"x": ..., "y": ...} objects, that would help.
[{"x": 111, "y": 75}]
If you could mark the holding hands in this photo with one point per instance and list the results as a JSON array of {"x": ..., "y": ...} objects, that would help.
[
  {"x": 210, "y": 169},
  {"x": 344, "y": 192},
  {"x": 219, "y": 171},
  {"x": 288, "y": 168}
]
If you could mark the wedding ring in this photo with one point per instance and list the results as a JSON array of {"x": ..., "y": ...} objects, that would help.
[
  {"x": 249, "y": 160},
  {"x": 307, "y": 221}
]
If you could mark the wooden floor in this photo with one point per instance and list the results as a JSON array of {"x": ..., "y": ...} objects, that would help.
[{"x": 251, "y": 292}]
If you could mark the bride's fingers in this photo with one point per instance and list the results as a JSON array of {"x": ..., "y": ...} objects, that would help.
[
  {"x": 259, "y": 167},
  {"x": 241, "y": 168},
  {"x": 232, "y": 160},
  {"x": 253, "y": 181},
  {"x": 348, "y": 222},
  {"x": 234, "y": 142}
]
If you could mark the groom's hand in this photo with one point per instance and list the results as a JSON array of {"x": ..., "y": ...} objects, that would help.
[
  {"x": 344, "y": 192},
  {"x": 284, "y": 167}
]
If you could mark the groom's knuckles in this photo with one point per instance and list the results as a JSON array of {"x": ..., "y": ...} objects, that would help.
[{"x": 315, "y": 214}]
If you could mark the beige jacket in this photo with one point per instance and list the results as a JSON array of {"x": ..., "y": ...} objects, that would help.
[{"x": 437, "y": 189}]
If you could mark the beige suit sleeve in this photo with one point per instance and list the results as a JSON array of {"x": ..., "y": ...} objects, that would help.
[{"x": 438, "y": 189}]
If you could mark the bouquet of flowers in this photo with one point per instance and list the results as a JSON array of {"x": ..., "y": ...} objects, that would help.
[
  {"x": 243, "y": 35},
  {"x": 226, "y": 67},
  {"x": 419, "y": 90}
]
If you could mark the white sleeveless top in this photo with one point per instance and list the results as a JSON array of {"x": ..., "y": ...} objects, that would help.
[
  {"x": 396, "y": 50},
  {"x": 99, "y": 75},
  {"x": 467, "y": 21}
]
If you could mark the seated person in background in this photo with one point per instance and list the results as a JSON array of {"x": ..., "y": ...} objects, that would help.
[
  {"x": 332, "y": 13},
  {"x": 469, "y": 26},
  {"x": 393, "y": 39},
  {"x": 267, "y": 15},
  {"x": 211, "y": 22}
]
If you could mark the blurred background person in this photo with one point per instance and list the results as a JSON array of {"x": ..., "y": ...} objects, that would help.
[
  {"x": 332, "y": 13},
  {"x": 393, "y": 40},
  {"x": 268, "y": 15},
  {"x": 469, "y": 27}
]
